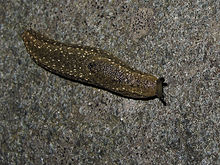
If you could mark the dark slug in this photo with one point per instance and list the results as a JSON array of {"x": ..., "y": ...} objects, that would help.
[{"x": 92, "y": 66}]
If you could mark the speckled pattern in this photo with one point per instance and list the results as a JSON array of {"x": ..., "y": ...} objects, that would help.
[
  {"x": 45, "y": 119},
  {"x": 91, "y": 66}
]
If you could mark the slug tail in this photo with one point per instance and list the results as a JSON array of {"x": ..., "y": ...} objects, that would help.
[{"x": 159, "y": 90}]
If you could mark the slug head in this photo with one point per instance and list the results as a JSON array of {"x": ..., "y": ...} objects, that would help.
[{"x": 159, "y": 90}]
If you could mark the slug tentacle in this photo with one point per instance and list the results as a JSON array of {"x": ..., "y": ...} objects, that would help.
[
  {"x": 160, "y": 93},
  {"x": 92, "y": 66}
]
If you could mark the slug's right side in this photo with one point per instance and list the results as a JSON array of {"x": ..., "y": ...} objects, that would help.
[{"x": 120, "y": 78}]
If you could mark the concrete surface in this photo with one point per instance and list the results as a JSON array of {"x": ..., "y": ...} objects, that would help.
[{"x": 45, "y": 119}]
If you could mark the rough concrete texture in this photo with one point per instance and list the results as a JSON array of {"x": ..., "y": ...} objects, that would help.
[{"x": 45, "y": 119}]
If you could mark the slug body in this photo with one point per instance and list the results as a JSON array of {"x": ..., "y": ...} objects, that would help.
[{"x": 91, "y": 66}]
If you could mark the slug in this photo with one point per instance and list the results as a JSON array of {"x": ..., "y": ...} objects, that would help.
[{"x": 92, "y": 66}]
